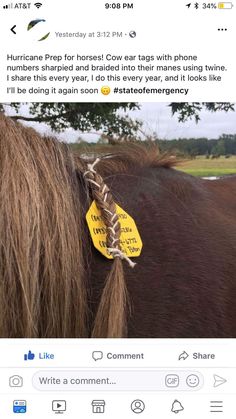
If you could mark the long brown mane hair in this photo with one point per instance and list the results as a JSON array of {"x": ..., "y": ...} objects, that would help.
[
  {"x": 42, "y": 289},
  {"x": 43, "y": 283}
]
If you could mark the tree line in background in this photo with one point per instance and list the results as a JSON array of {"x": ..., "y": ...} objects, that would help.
[{"x": 225, "y": 145}]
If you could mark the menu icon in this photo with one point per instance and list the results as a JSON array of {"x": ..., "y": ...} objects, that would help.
[{"x": 216, "y": 406}]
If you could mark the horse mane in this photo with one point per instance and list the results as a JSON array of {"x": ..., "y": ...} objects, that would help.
[
  {"x": 131, "y": 157},
  {"x": 43, "y": 289}
]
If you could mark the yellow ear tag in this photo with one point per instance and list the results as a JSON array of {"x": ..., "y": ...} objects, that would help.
[{"x": 130, "y": 240}]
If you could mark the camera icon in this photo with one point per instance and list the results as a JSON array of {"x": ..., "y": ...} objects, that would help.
[{"x": 16, "y": 381}]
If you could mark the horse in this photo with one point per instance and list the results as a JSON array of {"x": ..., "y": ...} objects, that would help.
[{"x": 55, "y": 284}]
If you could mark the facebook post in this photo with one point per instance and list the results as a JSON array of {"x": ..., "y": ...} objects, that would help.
[{"x": 117, "y": 210}]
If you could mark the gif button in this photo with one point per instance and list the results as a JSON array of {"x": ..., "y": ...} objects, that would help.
[{"x": 172, "y": 380}]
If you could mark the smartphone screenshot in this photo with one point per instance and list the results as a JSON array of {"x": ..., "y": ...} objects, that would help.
[{"x": 117, "y": 209}]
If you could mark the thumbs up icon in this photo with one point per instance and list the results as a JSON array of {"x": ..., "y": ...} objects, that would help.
[{"x": 29, "y": 356}]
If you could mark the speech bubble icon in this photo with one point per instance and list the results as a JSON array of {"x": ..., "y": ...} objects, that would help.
[{"x": 97, "y": 355}]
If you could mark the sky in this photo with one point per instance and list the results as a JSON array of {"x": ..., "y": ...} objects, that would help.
[{"x": 157, "y": 118}]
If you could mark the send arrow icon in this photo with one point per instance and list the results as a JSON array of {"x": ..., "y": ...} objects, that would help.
[{"x": 218, "y": 381}]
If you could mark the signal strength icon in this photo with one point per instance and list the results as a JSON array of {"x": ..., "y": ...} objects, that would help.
[
  {"x": 8, "y": 6},
  {"x": 38, "y": 5}
]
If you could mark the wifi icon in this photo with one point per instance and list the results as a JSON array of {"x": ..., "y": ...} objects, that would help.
[{"x": 38, "y": 5}]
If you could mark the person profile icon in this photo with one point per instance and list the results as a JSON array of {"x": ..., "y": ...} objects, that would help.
[{"x": 137, "y": 406}]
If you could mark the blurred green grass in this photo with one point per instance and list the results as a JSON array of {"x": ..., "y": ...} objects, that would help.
[{"x": 209, "y": 167}]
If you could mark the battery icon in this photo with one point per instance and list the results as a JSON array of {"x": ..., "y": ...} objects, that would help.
[{"x": 225, "y": 5}]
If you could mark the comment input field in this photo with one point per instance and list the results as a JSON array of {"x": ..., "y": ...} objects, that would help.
[{"x": 122, "y": 380}]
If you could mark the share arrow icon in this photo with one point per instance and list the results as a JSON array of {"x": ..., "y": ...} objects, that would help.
[{"x": 218, "y": 381}]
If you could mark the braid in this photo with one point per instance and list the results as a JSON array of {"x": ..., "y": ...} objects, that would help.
[
  {"x": 110, "y": 320},
  {"x": 105, "y": 203}
]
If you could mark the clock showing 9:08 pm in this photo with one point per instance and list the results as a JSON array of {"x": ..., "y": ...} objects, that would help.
[{"x": 114, "y": 5}]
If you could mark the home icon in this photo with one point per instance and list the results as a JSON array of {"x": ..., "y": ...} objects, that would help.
[{"x": 98, "y": 406}]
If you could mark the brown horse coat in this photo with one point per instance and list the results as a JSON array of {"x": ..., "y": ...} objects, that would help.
[{"x": 184, "y": 284}]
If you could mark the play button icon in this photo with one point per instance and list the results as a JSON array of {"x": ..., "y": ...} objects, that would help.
[
  {"x": 218, "y": 381},
  {"x": 58, "y": 406}
]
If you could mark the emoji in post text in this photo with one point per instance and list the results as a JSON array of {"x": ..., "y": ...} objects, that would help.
[{"x": 105, "y": 90}]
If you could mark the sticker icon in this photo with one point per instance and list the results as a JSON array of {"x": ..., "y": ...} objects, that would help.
[{"x": 192, "y": 380}]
